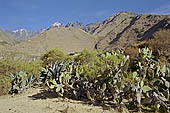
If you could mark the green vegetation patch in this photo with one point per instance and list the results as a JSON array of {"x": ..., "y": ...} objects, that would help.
[
  {"x": 8, "y": 66},
  {"x": 141, "y": 84}
]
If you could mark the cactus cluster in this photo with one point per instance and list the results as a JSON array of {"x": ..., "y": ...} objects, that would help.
[
  {"x": 20, "y": 81},
  {"x": 152, "y": 82},
  {"x": 57, "y": 76},
  {"x": 110, "y": 77}
]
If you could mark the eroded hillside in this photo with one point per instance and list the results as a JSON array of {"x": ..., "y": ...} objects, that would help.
[
  {"x": 125, "y": 28},
  {"x": 66, "y": 39}
]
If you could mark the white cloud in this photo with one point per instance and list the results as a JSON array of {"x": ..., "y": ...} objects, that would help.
[{"x": 165, "y": 9}]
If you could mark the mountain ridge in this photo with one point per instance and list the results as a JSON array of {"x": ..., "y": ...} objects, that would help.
[
  {"x": 125, "y": 27},
  {"x": 67, "y": 39},
  {"x": 120, "y": 30}
]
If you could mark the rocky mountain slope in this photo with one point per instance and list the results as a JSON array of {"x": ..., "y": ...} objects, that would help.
[{"x": 123, "y": 29}]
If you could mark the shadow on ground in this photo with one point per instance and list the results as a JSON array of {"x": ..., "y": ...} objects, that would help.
[
  {"x": 50, "y": 95},
  {"x": 44, "y": 95},
  {"x": 106, "y": 105}
]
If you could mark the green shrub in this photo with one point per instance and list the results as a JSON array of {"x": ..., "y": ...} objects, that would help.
[
  {"x": 4, "y": 85},
  {"x": 89, "y": 64},
  {"x": 8, "y": 66},
  {"x": 52, "y": 56},
  {"x": 87, "y": 56},
  {"x": 103, "y": 77}
]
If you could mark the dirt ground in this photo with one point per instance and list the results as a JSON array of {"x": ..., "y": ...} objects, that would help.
[{"x": 38, "y": 101}]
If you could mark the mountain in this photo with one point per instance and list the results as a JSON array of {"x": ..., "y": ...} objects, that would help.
[
  {"x": 120, "y": 30},
  {"x": 90, "y": 28},
  {"x": 56, "y": 24},
  {"x": 23, "y": 34},
  {"x": 67, "y": 39},
  {"x": 6, "y": 40},
  {"x": 75, "y": 24},
  {"x": 125, "y": 28}
]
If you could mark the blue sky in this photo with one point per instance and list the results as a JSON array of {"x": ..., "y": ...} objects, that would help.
[{"x": 38, "y": 14}]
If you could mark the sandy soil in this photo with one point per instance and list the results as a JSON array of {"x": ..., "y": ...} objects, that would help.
[{"x": 38, "y": 101}]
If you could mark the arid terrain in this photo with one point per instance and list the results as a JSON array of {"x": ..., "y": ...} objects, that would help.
[
  {"x": 125, "y": 31},
  {"x": 66, "y": 39},
  {"x": 37, "y": 101}
]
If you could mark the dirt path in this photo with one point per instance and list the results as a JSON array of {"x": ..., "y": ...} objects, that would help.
[{"x": 36, "y": 101}]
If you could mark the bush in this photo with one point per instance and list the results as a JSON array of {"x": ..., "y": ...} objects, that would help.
[
  {"x": 4, "y": 85},
  {"x": 89, "y": 64},
  {"x": 132, "y": 52},
  {"x": 109, "y": 77},
  {"x": 8, "y": 66},
  {"x": 87, "y": 56},
  {"x": 52, "y": 56},
  {"x": 160, "y": 43}
]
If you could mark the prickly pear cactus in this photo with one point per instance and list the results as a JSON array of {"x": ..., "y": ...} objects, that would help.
[
  {"x": 21, "y": 81},
  {"x": 111, "y": 76},
  {"x": 57, "y": 76}
]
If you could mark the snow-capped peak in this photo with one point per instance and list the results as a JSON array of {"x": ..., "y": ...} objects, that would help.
[
  {"x": 23, "y": 30},
  {"x": 56, "y": 24},
  {"x": 24, "y": 34},
  {"x": 19, "y": 30},
  {"x": 15, "y": 31}
]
